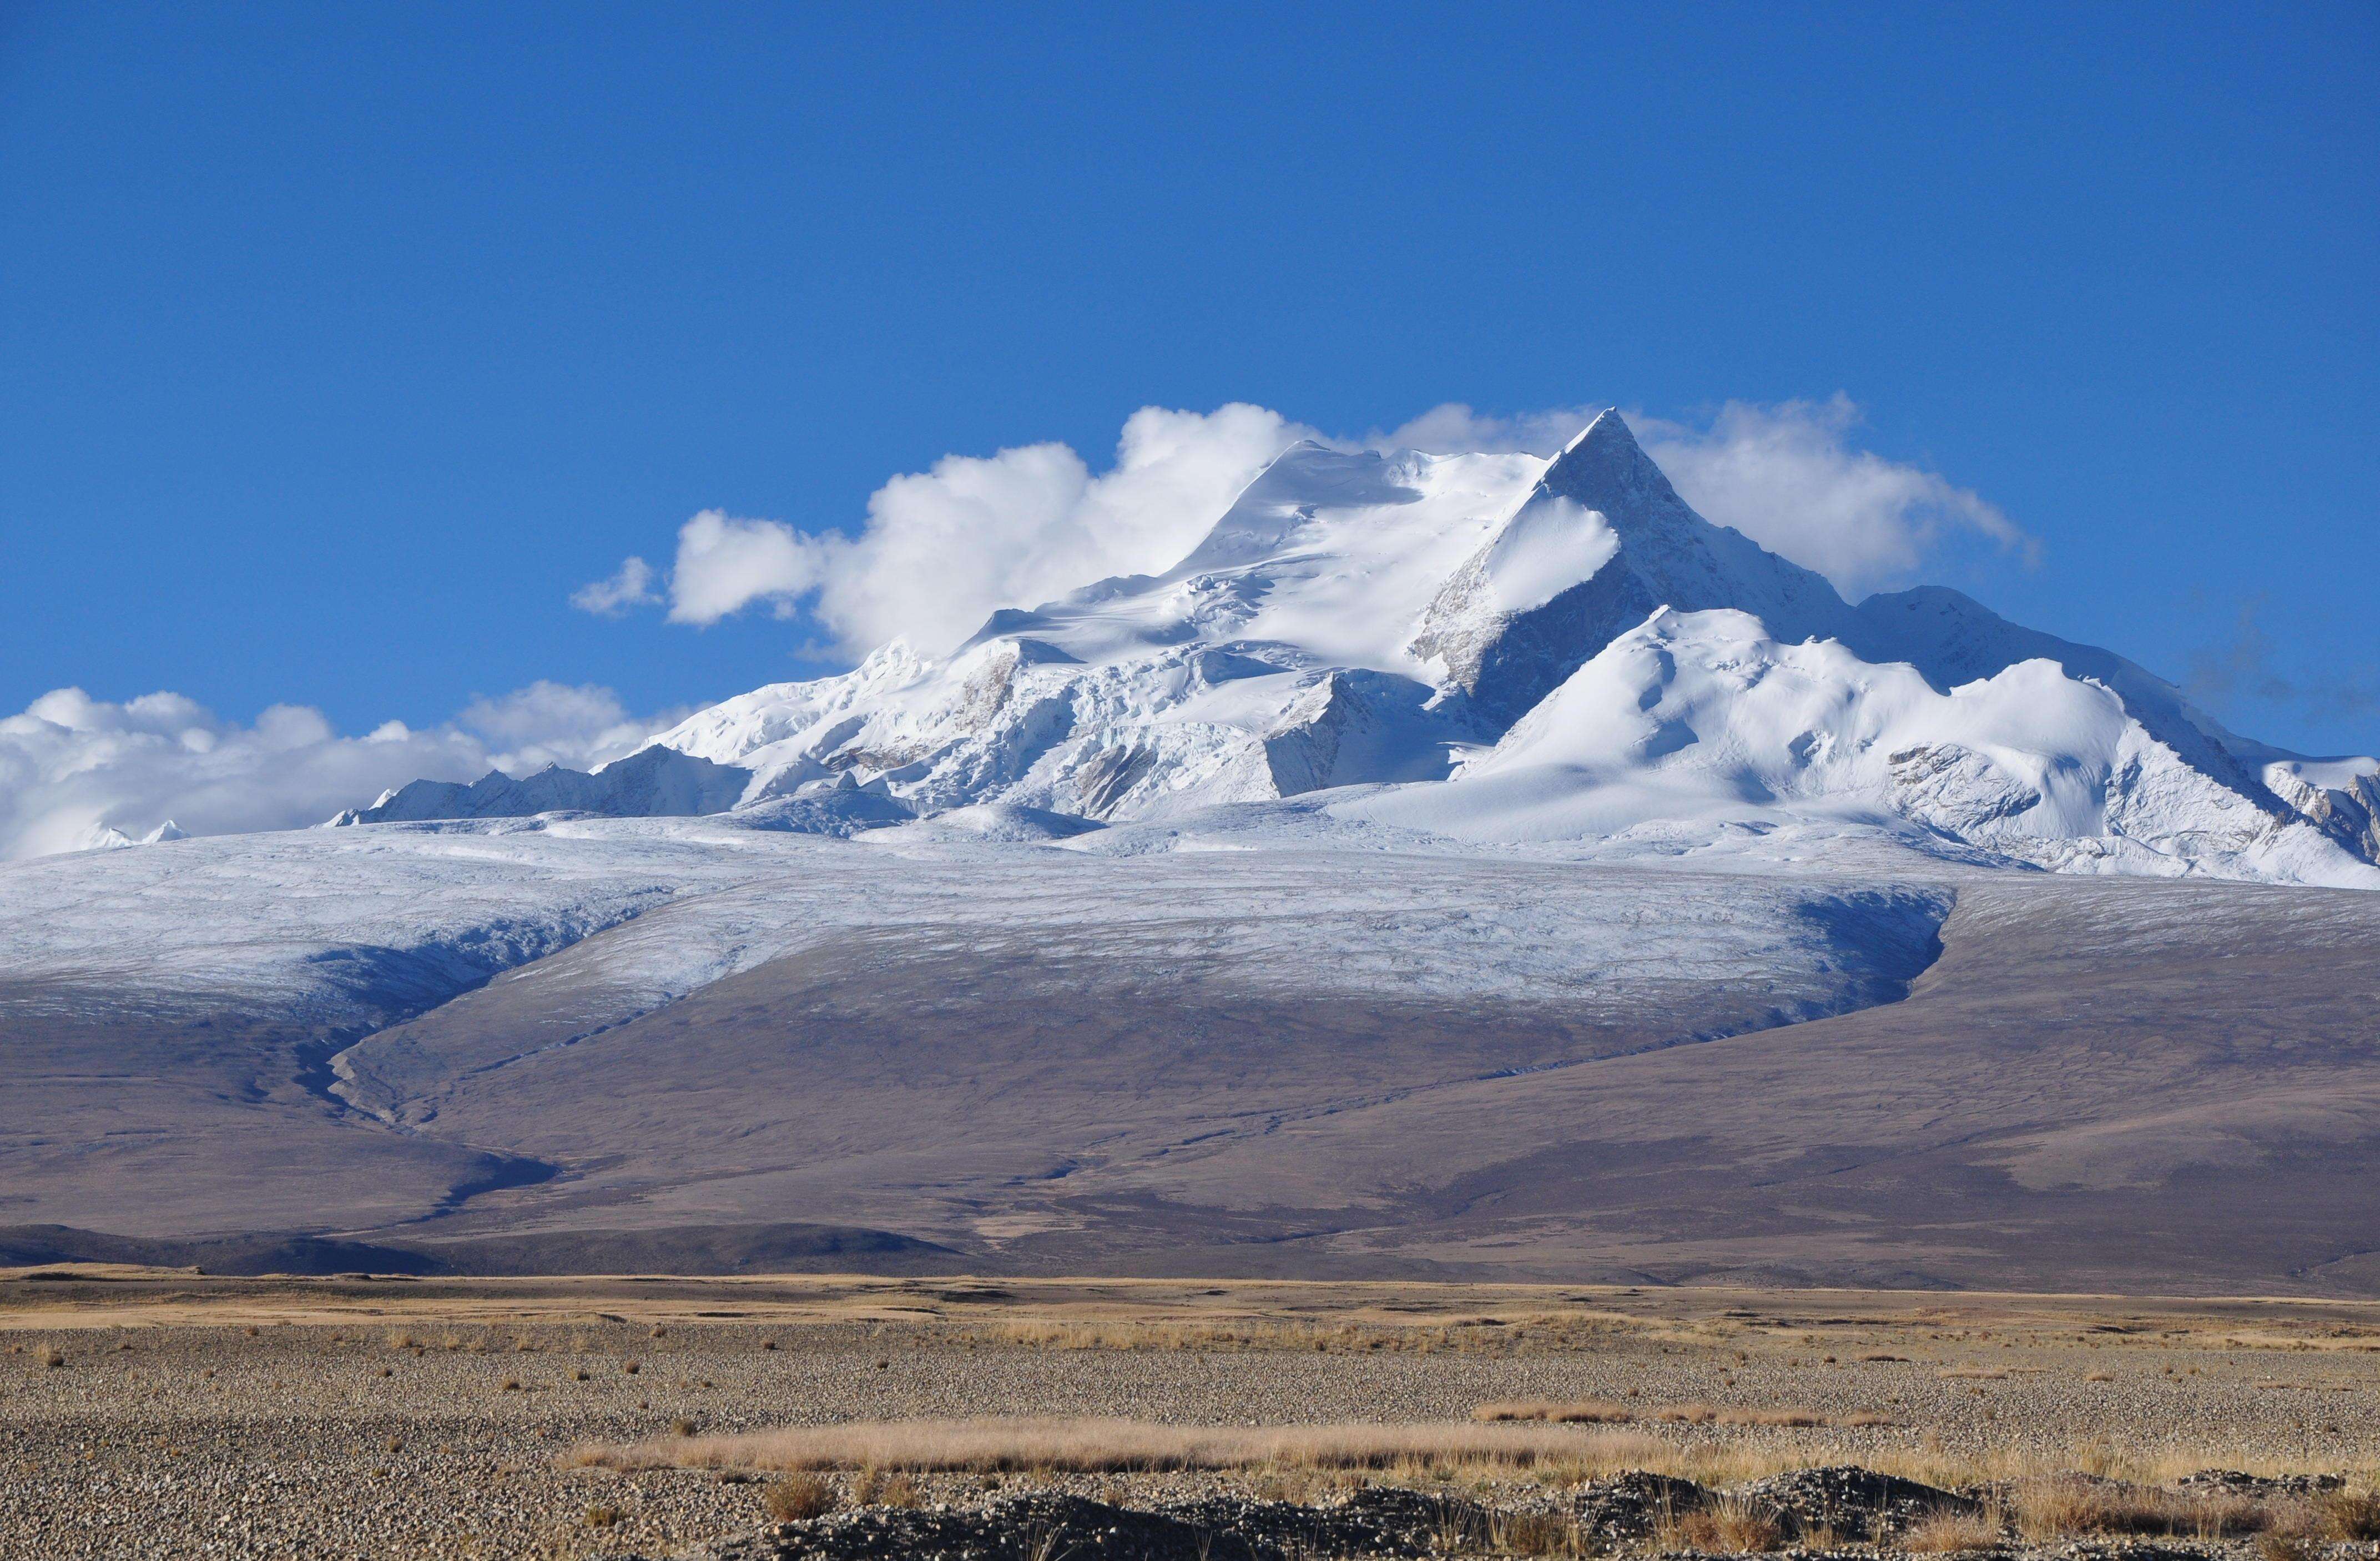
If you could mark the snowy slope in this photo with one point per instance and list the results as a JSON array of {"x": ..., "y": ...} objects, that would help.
[
  {"x": 1706, "y": 715},
  {"x": 1520, "y": 650},
  {"x": 1275, "y": 660}
]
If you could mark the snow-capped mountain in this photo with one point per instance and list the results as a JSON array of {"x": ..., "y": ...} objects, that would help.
[
  {"x": 1504, "y": 649},
  {"x": 650, "y": 783}
]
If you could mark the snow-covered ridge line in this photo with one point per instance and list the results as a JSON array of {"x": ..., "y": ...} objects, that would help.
[{"x": 1499, "y": 649}]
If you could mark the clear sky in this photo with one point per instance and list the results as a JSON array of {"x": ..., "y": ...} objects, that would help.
[{"x": 343, "y": 343}]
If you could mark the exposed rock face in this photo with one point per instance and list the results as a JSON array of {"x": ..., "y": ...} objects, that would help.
[
  {"x": 1602, "y": 542},
  {"x": 2347, "y": 809}
]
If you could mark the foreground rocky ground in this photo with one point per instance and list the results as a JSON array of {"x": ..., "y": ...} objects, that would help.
[{"x": 175, "y": 1415}]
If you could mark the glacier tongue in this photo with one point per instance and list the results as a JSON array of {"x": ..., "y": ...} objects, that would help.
[{"x": 1500, "y": 649}]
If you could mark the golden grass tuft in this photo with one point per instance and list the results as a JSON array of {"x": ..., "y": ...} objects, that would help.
[
  {"x": 2350, "y": 1517},
  {"x": 1947, "y": 1532},
  {"x": 1728, "y": 1525},
  {"x": 797, "y": 1496},
  {"x": 1536, "y": 1533},
  {"x": 2328, "y": 1517}
]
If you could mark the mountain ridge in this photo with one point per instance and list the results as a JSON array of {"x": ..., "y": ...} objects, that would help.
[{"x": 1371, "y": 620}]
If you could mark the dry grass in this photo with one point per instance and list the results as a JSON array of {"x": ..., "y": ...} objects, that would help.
[
  {"x": 2328, "y": 1517},
  {"x": 2092, "y": 1488},
  {"x": 797, "y": 1496},
  {"x": 1095, "y": 1446},
  {"x": 2062, "y": 1506},
  {"x": 2350, "y": 1516},
  {"x": 876, "y": 1488},
  {"x": 1946, "y": 1532},
  {"x": 52, "y": 1356},
  {"x": 1536, "y": 1533},
  {"x": 1730, "y": 1525}
]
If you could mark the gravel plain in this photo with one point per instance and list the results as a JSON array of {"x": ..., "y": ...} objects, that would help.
[{"x": 193, "y": 1417}]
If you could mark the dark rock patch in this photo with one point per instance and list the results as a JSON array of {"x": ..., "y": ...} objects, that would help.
[
  {"x": 1045, "y": 1527},
  {"x": 1850, "y": 1502},
  {"x": 1631, "y": 1505}
]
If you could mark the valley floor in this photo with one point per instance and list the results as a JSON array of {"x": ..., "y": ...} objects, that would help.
[{"x": 153, "y": 1413}]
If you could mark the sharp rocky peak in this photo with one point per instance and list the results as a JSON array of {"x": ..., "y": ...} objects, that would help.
[{"x": 1604, "y": 469}]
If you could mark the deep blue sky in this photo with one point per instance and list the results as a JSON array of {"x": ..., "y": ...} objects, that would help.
[{"x": 340, "y": 343}]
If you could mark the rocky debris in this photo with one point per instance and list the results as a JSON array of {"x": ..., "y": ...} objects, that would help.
[
  {"x": 1042, "y": 1526},
  {"x": 1372, "y": 1522},
  {"x": 1631, "y": 1505},
  {"x": 1850, "y": 1502},
  {"x": 2232, "y": 1482}
]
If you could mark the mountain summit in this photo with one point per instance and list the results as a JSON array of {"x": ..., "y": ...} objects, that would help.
[{"x": 1503, "y": 649}]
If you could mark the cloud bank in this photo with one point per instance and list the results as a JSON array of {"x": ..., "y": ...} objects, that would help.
[
  {"x": 940, "y": 550},
  {"x": 72, "y": 767},
  {"x": 1788, "y": 477}
]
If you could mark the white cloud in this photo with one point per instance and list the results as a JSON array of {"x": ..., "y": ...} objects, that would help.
[
  {"x": 942, "y": 549},
  {"x": 71, "y": 766},
  {"x": 1454, "y": 427},
  {"x": 1787, "y": 477},
  {"x": 725, "y": 565},
  {"x": 632, "y": 586},
  {"x": 549, "y": 723}
]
